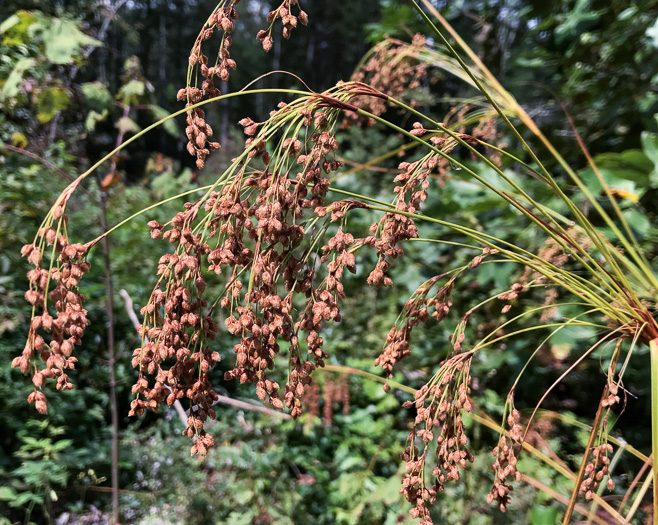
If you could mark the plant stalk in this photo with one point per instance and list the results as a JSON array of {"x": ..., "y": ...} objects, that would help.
[
  {"x": 114, "y": 410},
  {"x": 653, "y": 347},
  {"x": 592, "y": 438}
]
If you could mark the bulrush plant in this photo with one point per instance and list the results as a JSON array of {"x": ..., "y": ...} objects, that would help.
[{"x": 274, "y": 228}]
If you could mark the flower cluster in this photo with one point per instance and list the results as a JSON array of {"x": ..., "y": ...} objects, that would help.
[
  {"x": 250, "y": 229},
  {"x": 221, "y": 21},
  {"x": 438, "y": 404},
  {"x": 181, "y": 340},
  {"x": 393, "y": 68},
  {"x": 596, "y": 470},
  {"x": 512, "y": 294},
  {"x": 52, "y": 338},
  {"x": 284, "y": 13},
  {"x": 198, "y": 130},
  {"x": 417, "y": 309},
  {"x": 504, "y": 466}
]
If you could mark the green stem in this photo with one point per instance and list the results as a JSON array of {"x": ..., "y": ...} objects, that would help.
[
  {"x": 596, "y": 237},
  {"x": 176, "y": 114},
  {"x": 653, "y": 346}
]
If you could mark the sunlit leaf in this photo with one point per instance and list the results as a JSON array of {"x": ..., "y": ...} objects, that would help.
[
  {"x": 11, "y": 86},
  {"x": 50, "y": 102},
  {"x": 127, "y": 125},
  {"x": 63, "y": 41}
]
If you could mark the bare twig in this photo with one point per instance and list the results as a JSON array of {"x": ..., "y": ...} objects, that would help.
[
  {"x": 133, "y": 318},
  {"x": 48, "y": 165},
  {"x": 114, "y": 410}
]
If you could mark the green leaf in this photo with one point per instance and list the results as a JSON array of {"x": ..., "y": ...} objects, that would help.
[
  {"x": 131, "y": 92},
  {"x": 127, "y": 125},
  {"x": 7, "y": 494},
  {"x": 170, "y": 125},
  {"x": 50, "y": 102},
  {"x": 650, "y": 148},
  {"x": 542, "y": 515},
  {"x": 16, "y": 27},
  {"x": 97, "y": 95},
  {"x": 9, "y": 23},
  {"x": 62, "y": 444},
  {"x": 350, "y": 462},
  {"x": 243, "y": 497},
  {"x": 10, "y": 89},
  {"x": 93, "y": 118},
  {"x": 63, "y": 41}
]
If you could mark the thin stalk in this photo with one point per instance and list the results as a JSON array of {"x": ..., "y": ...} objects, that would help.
[
  {"x": 598, "y": 270},
  {"x": 136, "y": 136},
  {"x": 543, "y": 225},
  {"x": 369, "y": 375},
  {"x": 639, "y": 498},
  {"x": 559, "y": 497},
  {"x": 590, "y": 442},
  {"x": 579, "y": 424},
  {"x": 634, "y": 483},
  {"x": 485, "y": 420},
  {"x": 114, "y": 410},
  {"x": 596, "y": 237},
  {"x": 479, "y": 236},
  {"x": 570, "y": 283},
  {"x": 653, "y": 348}
]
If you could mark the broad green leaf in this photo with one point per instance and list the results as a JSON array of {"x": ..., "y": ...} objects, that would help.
[
  {"x": 93, "y": 118},
  {"x": 169, "y": 126},
  {"x": 18, "y": 140},
  {"x": 62, "y": 444},
  {"x": 97, "y": 95},
  {"x": 131, "y": 92},
  {"x": 650, "y": 148},
  {"x": 127, "y": 125},
  {"x": 7, "y": 494},
  {"x": 63, "y": 41},
  {"x": 50, "y": 102},
  {"x": 543, "y": 515},
  {"x": 10, "y": 89},
  {"x": 16, "y": 28},
  {"x": 26, "y": 497},
  {"x": 9, "y": 23},
  {"x": 350, "y": 462},
  {"x": 243, "y": 497}
]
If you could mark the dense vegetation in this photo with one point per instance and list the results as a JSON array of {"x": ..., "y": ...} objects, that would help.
[{"x": 77, "y": 81}]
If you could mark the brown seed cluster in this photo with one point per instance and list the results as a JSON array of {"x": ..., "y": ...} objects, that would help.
[
  {"x": 198, "y": 130},
  {"x": 176, "y": 330},
  {"x": 289, "y": 21},
  {"x": 392, "y": 68},
  {"x": 613, "y": 397},
  {"x": 439, "y": 405},
  {"x": 596, "y": 470},
  {"x": 504, "y": 466},
  {"x": 512, "y": 294},
  {"x": 393, "y": 228},
  {"x": 222, "y": 22},
  {"x": 52, "y": 338},
  {"x": 418, "y": 309},
  {"x": 249, "y": 231}
]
